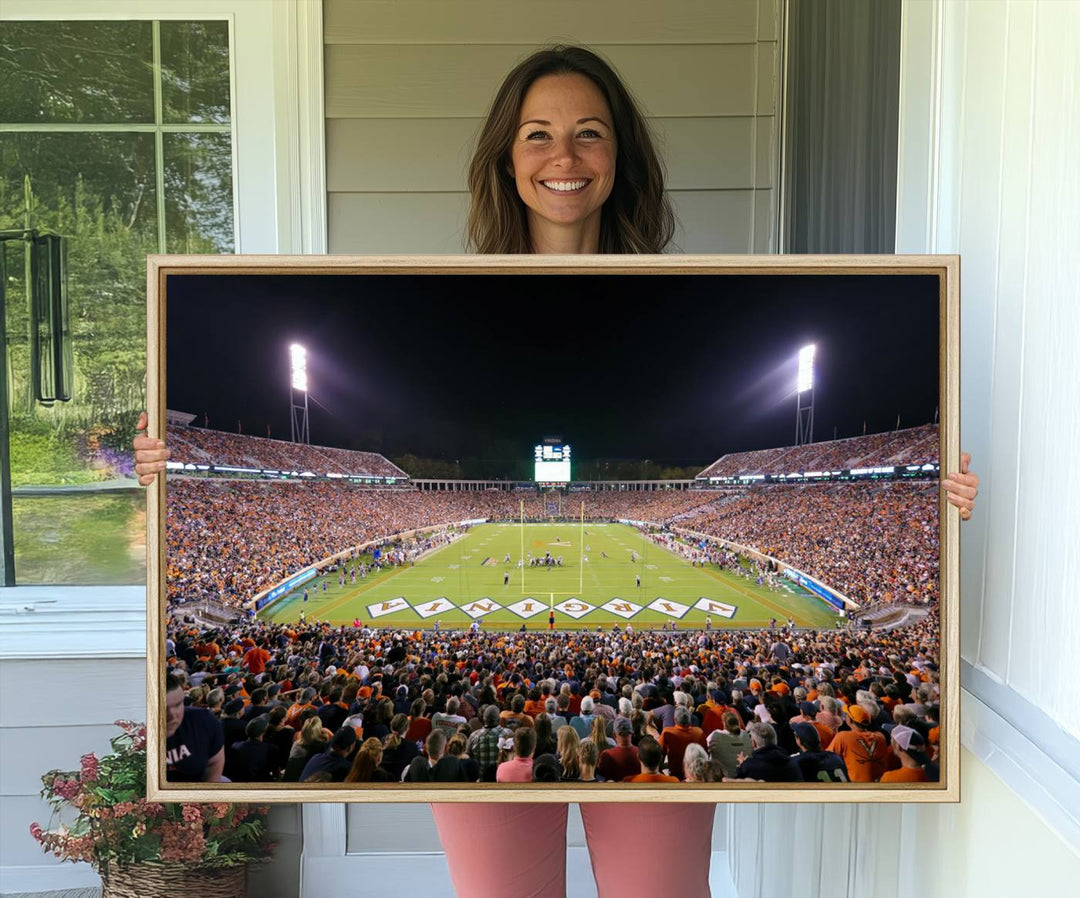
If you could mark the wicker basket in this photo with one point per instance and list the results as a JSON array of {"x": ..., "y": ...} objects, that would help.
[{"x": 161, "y": 880}]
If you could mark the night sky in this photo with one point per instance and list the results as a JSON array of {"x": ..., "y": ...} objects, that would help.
[{"x": 674, "y": 368}]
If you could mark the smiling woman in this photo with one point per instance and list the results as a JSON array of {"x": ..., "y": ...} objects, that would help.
[
  {"x": 563, "y": 117},
  {"x": 563, "y": 162}
]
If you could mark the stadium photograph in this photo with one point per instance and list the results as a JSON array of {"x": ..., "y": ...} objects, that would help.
[{"x": 545, "y": 528}]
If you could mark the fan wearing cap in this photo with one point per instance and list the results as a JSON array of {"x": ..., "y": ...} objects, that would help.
[
  {"x": 232, "y": 721},
  {"x": 817, "y": 766},
  {"x": 617, "y": 763},
  {"x": 713, "y": 718},
  {"x": 336, "y": 760},
  {"x": 254, "y": 760},
  {"x": 808, "y": 712},
  {"x": 863, "y": 750},
  {"x": 675, "y": 739},
  {"x": 909, "y": 747}
]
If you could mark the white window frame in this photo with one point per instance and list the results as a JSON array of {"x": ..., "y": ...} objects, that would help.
[{"x": 279, "y": 202}]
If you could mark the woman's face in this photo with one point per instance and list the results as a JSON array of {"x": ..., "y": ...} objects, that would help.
[{"x": 563, "y": 154}]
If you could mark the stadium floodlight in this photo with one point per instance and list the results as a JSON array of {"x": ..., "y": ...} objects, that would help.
[
  {"x": 804, "y": 404},
  {"x": 298, "y": 356},
  {"x": 298, "y": 411},
  {"x": 806, "y": 369}
]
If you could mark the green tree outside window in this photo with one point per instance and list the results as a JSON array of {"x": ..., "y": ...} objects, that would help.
[{"x": 117, "y": 136}]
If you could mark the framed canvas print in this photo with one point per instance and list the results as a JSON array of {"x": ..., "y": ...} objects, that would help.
[{"x": 541, "y": 528}]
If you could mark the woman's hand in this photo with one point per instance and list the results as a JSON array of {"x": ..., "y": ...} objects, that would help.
[
  {"x": 150, "y": 454},
  {"x": 962, "y": 488}
]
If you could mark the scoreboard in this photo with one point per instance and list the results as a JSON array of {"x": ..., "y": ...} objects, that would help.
[{"x": 551, "y": 463}]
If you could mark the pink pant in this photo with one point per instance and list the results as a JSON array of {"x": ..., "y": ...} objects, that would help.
[{"x": 520, "y": 849}]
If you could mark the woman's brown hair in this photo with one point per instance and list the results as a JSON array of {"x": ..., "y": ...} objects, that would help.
[
  {"x": 399, "y": 726},
  {"x": 599, "y": 734},
  {"x": 637, "y": 216},
  {"x": 568, "y": 741},
  {"x": 365, "y": 762}
]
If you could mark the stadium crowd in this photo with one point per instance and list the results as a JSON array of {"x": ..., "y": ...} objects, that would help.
[
  {"x": 913, "y": 445},
  {"x": 193, "y": 445},
  {"x": 314, "y": 703},
  {"x": 872, "y": 541}
]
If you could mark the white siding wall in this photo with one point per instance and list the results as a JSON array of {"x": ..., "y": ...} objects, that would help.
[
  {"x": 989, "y": 143},
  {"x": 408, "y": 83}
]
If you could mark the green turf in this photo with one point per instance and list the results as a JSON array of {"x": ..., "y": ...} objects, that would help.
[{"x": 458, "y": 573}]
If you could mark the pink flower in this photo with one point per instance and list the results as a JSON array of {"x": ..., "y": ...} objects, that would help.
[
  {"x": 65, "y": 788},
  {"x": 37, "y": 832},
  {"x": 181, "y": 842},
  {"x": 192, "y": 813},
  {"x": 89, "y": 768}
]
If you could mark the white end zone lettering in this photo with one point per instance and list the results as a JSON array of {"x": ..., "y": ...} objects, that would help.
[
  {"x": 711, "y": 606},
  {"x": 670, "y": 608},
  {"x": 480, "y": 607},
  {"x": 621, "y": 607},
  {"x": 440, "y": 605},
  {"x": 574, "y": 608},
  {"x": 381, "y": 608},
  {"x": 527, "y": 608}
]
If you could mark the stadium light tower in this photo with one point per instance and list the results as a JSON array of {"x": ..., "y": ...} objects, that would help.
[
  {"x": 804, "y": 402},
  {"x": 301, "y": 433}
]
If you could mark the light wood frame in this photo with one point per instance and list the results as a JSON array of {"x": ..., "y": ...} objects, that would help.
[{"x": 945, "y": 267}]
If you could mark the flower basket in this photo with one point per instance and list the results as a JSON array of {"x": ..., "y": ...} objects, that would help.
[
  {"x": 173, "y": 880},
  {"x": 148, "y": 849}
]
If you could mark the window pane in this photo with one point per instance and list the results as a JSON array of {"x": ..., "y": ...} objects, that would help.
[
  {"x": 195, "y": 71},
  {"x": 78, "y": 515},
  {"x": 98, "y": 191},
  {"x": 85, "y": 539},
  {"x": 198, "y": 193},
  {"x": 76, "y": 72}
]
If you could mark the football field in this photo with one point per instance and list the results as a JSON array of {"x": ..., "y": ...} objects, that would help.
[{"x": 610, "y": 573}]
